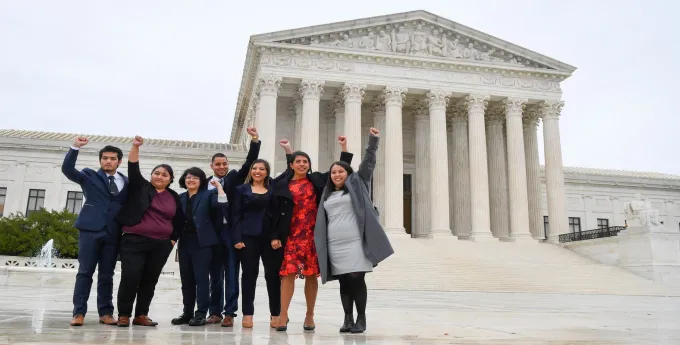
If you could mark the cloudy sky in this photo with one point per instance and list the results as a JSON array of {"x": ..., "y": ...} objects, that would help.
[{"x": 159, "y": 68}]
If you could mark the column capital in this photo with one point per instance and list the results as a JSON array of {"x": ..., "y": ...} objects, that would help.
[
  {"x": 296, "y": 104},
  {"x": 476, "y": 102},
  {"x": 353, "y": 92},
  {"x": 421, "y": 110},
  {"x": 550, "y": 109},
  {"x": 458, "y": 112},
  {"x": 514, "y": 106},
  {"x": 311, "y": 88},
  {"x": 531, "y": 117},
  {"x": 438, "y": 98},
  {"x": 336, "y": 106},
  {"x": 378, "y": 105},
  {"x": 269, "y": 85},
  {"x": 394, "y": 95},
  {"x": 495, "y": 114}
]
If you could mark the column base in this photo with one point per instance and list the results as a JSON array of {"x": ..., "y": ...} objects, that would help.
[
  {"x": 440, "y": 233},
  {"x": 526, "y": 237},
  {"x": 482, "y": 236},
  {"x": 396, "y": 232},
  {"x": 426, "y": 236}
]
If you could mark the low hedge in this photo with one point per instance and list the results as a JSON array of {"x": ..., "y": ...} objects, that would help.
[{"x": 25, "y": 236}]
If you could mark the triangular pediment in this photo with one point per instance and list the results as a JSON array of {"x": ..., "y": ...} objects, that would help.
[{"x": 416, "y": 34}]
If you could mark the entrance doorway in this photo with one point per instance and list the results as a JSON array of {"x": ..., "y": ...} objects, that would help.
[{"x": 407, "y": 203}]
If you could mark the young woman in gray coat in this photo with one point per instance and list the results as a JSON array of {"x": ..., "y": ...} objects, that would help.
[{"x": 348, "y": 236}]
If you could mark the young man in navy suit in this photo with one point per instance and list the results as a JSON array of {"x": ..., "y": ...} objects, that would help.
[
  {"x": 105, "y": 191},
  {"x": 224, "y": 266}
]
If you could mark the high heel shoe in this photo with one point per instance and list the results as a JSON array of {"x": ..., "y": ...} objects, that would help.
[
  {"x": 307, "y": 327},
  {"x": 283, "y": 328}
]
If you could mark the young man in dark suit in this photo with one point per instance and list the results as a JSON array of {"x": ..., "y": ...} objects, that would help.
[
  {"x": 105, "y": 191},
  {"x": 224, "y": 266}
]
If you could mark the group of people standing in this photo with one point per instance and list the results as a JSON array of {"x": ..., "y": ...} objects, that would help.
[{"x": 301, "y": 224}]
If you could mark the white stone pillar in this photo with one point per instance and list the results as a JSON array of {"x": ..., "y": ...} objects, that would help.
[
  {"x": 479, "y": 174},
  {"x": 353, "y": 94},
  {"x": 379, "y": 171},
  {"x": 498, "y": 183},
  {"x": 268, "y": 90},
  {"x": 394, "y": 160},
  {"x": 339, "y": 106},
  {"x": 311, "y": 91},
  {"x": 517, "y": 174},
  {"x": 421, "y": 190},
  {"x": 460, "y": 155},
  {"x": 554, "y": 173},
  {"x": 534, "y": 194},
  {"x": 449, "y": 148},
  {"x": 439, "y": 167},
  {"x": 297, "y": 135}
]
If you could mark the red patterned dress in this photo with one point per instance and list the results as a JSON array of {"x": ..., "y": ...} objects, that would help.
[{"x": 299, "y": 256}]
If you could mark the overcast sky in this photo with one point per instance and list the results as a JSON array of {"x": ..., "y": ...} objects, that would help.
[{"x": 156, "y": 67}]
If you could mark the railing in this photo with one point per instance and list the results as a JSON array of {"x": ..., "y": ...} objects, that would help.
[{"x": 591, "y": 234}]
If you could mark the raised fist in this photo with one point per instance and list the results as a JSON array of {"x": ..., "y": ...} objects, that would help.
[
  {"x": 252, "y": 131},
  {"x": 284, "y": 143},
  {"x": 342, "y": 140},
  {"x": 374, "y": 132},
  {"x": 138, "y": 141},
  {"x": 80, "y": 142}
]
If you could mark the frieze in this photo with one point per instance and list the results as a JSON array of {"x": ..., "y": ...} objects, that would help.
[
  {"x": 334, "y": 65},
  {"x": 417, "y": 38}
]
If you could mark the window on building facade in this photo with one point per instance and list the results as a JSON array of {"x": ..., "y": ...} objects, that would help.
[
  {"x": 602, "y": 223},
  {"x": 574, "y": 224},
  {"x": 74, "y": 202},
  {"x": 36, "y": 200},
  {"x": 3, "y": 196}
]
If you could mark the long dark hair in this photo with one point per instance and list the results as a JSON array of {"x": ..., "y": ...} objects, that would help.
[
  {"x": 168, "y": 169},
  {"x": 303, "y": 154},
  {"x": 266, "y": 167},
  {"x": 194, "y": 171},
  {"x": 330, "y": 185}
]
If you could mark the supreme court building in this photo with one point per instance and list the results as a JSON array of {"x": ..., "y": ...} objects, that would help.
[{"x": 458, "y": 110}]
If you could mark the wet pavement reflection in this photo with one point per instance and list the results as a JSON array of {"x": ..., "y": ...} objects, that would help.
[{"x": 30, "y": 315}]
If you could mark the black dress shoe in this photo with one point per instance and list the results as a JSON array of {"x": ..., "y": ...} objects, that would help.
[
  {"x": 182, "y": 319},
  {"x": 348, "y": 324},
  {"x": 360, "y": 325},
  {"x": 198, "y": 320}
]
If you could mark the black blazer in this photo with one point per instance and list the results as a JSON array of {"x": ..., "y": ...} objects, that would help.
[
  {"x": 246, "y": 217},
  {"x": 203, "y": 204},
  {"x": 282, "y": 199},
  {"x": 141, "y": 194}
]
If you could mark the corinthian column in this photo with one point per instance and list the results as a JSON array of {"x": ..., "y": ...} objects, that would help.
[
  {"x": 421, "y": 192},
  {"x": 394, "y": 160},
  {"x": 378, "y": 109},
  {"x": 353, "y": 94},
  {"x": 517, "y": 175},
  {"x": 268, "y": 89},
  {"x": 479, "y": 174},
  {"x": 498, "y": 183},
  {"x": 439, "y": 165},
  {"x": 554, "y": 173},
  {"x": 339, "y": 106},
  {"x": 297, "y": 108},
  {"x": 530, "y": 122},
  {"x": 311, "y": 91},
  {"x": 460, "y": 155}
]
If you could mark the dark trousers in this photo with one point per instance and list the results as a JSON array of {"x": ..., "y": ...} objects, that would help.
[
  {"x": 142, "y": 260},
  {"x": 95, "y": 248},
  {"x": 224, "y": 289},
  {"x": 194, "y": 270},
  {"x": 249, "y": 256}
]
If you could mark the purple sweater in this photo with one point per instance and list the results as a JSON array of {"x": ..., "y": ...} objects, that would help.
[{"x": 157, "y": 220}]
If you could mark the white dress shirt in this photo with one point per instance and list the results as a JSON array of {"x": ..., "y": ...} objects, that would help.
[{"x": 117, "y": 178}]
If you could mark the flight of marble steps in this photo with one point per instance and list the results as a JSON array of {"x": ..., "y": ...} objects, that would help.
[{"x": 448, "y": 264}]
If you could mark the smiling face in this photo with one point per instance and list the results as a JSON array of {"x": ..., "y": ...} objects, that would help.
[
  {"x": 338, "y": 176},
  {"x": 220, "y": 166},
  {"x": 300, "y": 165},
  {"x": 258, "y": 172},
  {"x": 192, "y": 182},
  {"x": 160, "y": 178}
]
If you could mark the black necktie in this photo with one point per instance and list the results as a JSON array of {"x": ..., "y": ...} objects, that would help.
[{"x": 112, "y": 186}]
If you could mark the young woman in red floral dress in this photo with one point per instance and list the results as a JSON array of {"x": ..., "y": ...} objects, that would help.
[{"x": 295, "y": 199}]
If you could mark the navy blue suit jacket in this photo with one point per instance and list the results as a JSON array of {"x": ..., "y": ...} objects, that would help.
[
  {"x": 247, "y": 219},
  {"x": 100, "y": 208},
  {"x": 203, "y": 204}
]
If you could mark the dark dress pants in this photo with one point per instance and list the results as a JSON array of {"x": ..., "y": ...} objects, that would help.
[
  {"x": 194, "y": 270},
  {"x": 95, "y": 248},
  {"x": 257, "y": 247},
  {"x": 224, "y": 293},
  {"x": 216, "y": 281},
  {"x": 142, "y": 260}
]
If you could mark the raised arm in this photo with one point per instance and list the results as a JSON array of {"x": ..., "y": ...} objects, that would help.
[
  {"x": 253, "y": 153},
  {"x": 134, "y": 173},
  {"x": 344, "y": 155},
  {"x": 218, "y": 199},
  {"x": 68, "y": 168},
  {"x": 368, "y": 162},
  {"x": 285, "y": 144}
]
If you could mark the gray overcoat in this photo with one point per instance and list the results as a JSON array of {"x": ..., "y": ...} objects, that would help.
[{"x": 376, "y": 245}]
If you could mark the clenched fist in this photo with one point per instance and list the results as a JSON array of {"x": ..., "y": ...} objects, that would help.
[
  {"x": 252, "y": 131},
  {"x": 80, "y": 142},
  {"x": 284, "y": 143},
  {"x": 138, "y": 141},
  {"x": 374, "y": 132},
  {"x": 342, "y": 140}
]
